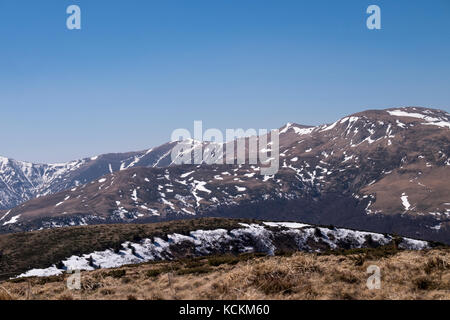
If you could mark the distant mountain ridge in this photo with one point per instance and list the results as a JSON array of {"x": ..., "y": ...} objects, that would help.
[
  {"x": 21, "y": 181},
  {"x": 379, "y": 170}
]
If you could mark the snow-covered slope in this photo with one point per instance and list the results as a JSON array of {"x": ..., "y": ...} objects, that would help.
[
  {"x": 21, "y": 181},
  {"x": 266, "y": 238}
]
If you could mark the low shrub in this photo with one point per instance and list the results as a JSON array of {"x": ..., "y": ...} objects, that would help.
[
  {"x": 424, "y": 283},
  {"x": 195, "y": 270},
  {"x": 107, "y": 292},
  {"x": 225, "y": 259},
  {"x": 347, "y": 278},
  {"x": 117, "y": 273},
  {"x": 436, "y": 264},
  {"x": 153, "y": 273}
]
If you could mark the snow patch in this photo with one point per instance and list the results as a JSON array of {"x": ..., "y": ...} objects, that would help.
[{"x": 405, "y": 201}]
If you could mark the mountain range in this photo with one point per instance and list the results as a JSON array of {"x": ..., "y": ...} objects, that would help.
[{"x": 379, "y": 170}]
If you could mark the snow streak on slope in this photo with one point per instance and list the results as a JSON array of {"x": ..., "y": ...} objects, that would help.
[
  {"x": 429, "y": 120},
  {"x": 405, "y": 201}
]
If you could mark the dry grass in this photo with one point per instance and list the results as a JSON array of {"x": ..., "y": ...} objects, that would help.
[
  {"x": 5, "y": 294},
  {"x": 405, "y": 275}
]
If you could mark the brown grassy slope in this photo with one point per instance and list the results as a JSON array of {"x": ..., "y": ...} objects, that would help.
[
  {"x": 426, "y": 188},
  {"x": 39, "y": 249},
  {"x": 405, "y": 275}
]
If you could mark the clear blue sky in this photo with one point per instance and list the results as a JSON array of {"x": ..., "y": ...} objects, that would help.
[{"x": 139, "y": 69}]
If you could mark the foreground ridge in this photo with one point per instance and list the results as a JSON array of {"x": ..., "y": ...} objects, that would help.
[{"x": 266, "y": 237}]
